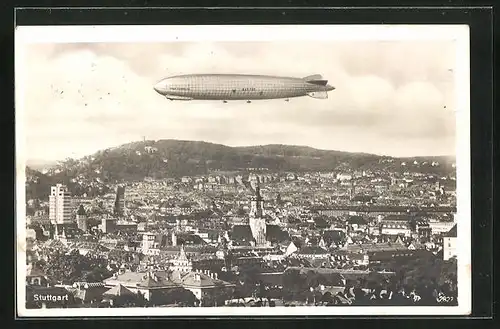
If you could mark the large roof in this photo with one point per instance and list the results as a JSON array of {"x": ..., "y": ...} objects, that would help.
[
  {"x": 312, "y": 250},
  {"x": 273, "y": 233},
  {"x": 157, "y": 279},
  {"x": 242, "y": 233},
  {"x": 368, "y": 247},
  {"x": 451, "y": 233},
  {"x": 201, "y": 280},
  {"x": 400, "y": 217},
  {"x": 190, "y": 239},
  {"x": 119, "y": 290},
  {"x": 356, "y": 220}
]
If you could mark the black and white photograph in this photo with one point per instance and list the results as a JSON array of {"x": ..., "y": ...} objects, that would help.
[{"x": 242, "y": 170}]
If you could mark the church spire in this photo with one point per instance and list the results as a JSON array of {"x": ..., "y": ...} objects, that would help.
[
  {"x": 182, "y": 253},
  {"x": 257, "y": 203},
  {"x": 256, "y": 221}
]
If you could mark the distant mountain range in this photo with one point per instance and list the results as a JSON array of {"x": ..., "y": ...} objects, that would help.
[
  {"x": 39, "y": 164},
  {"x": 176, "y": 158}
]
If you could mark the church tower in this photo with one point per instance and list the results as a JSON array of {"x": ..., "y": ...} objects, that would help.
[
  {"x": 81, "y": 219},
  {"x": 257, "y": 221},
  {"x": 256, "y": 204}
]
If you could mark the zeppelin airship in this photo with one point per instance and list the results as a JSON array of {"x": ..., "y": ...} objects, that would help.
[{"x": 225, "y": 87}]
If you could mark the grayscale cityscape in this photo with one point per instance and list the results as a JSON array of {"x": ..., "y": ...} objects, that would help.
[
  {"x": 383, "y": 233},
  {"x": 142, "y": 193}
]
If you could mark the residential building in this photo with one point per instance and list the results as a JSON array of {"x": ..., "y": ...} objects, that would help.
[
  {"x": 313, "y": 252},
  {"x": 438, "y": 227},
  {"x": 203, "y": 284},
  {"x": 152, "y": 285},
  {"x": 450, "y": 243},
  {"x": 387, "y": 256},
  {"x": 396, "y": 225}
]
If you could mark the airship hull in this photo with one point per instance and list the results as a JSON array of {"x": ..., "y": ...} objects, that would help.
[{"x": 240, "y": 87}]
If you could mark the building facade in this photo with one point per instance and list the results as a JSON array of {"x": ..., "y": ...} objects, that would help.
[
  {"x": 450, "y": 244},
  {"x": 60, "y": 205},
  {"x": 181, "y": 263},
  {"x": 440, "y": 227}
]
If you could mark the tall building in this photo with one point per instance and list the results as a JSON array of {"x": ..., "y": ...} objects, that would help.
[
  {"x": 81, "y": 219},
  {"x": 257, "y": 221},
  {"x": 119, "y": 209},
  {"x": 60, "y": 205}
]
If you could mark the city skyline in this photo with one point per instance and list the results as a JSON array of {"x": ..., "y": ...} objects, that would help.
[{"x": 393, "y": 98}]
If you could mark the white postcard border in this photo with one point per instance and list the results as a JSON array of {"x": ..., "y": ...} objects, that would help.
[{"x": 73, "y": 34}]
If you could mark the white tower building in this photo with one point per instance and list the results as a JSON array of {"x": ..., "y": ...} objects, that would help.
[{"x": 60, "y": 205}]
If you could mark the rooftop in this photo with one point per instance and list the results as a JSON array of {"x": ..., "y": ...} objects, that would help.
[{"x": 451, "y": 233}]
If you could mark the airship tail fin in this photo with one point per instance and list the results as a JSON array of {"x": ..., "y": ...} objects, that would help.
[
  {"x": 316, "y": 79},
  {"x": 318, "y": 94},
  {"x": 313, "y": 77}
]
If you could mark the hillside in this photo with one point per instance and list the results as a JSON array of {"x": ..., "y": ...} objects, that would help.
[
  {"x": 175, "y": 158},
  {"x": 37, "y": 184}
]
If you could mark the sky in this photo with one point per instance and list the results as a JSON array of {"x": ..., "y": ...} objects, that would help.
[{"x": 393, "y": 98}]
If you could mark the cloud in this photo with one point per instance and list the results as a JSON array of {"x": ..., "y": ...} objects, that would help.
[{"x": 391, "y": 98}]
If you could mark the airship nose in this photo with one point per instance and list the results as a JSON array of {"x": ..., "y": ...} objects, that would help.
[
  {"x": 160, "y": 87},
  {"x": 330, "y": 87}
]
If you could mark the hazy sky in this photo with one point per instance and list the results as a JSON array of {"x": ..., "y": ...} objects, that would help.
[{"x": 394, "y": 98}]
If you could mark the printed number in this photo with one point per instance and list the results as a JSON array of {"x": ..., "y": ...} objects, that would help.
[
  {"x": 444, "y": 299},
  {"x": 248, "y": 89}
]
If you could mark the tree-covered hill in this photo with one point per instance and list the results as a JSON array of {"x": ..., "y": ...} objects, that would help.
[{"x": 177, "y": 158}]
